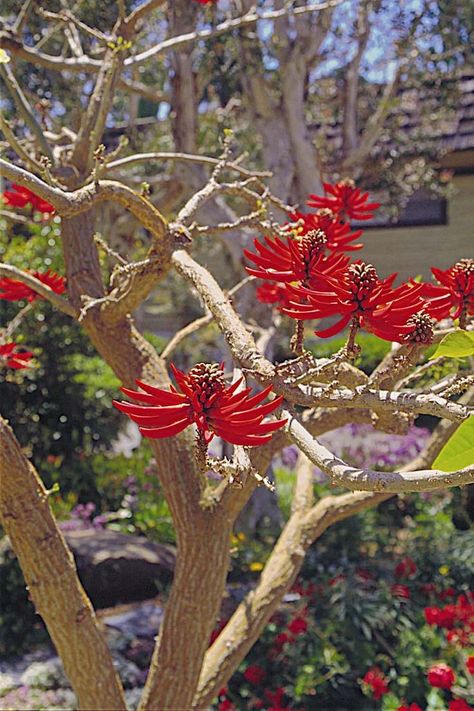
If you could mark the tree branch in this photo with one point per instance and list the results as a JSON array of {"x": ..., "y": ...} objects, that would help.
[
  {"x": 186, "y": 158},
  {"x": 25, "y": 109},
  {"x": 42, "y": 289},
  {"x": 366, "y": 479}
]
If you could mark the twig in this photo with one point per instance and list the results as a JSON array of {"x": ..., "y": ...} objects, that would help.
[
  {"x": 249, "y": 18},
  {"x": 15, "y": 322},
  {"x": 24, "y": 109},
  {"x": 17, "y": 147}
]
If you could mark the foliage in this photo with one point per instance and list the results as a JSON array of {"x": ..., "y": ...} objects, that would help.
[
  {"x": 20, "y": 627},
  {"x": 364, "y": 608},
  {"x": 458, "y": 452},
  {"x": 60, "y": 409}
]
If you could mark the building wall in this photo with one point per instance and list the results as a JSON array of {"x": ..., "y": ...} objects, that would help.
[{"x": 412, "y": 250}]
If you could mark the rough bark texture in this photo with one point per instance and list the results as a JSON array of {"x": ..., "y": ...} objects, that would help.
[
  {"x": 51, "y": 577},
  {"x": 201, "y": 570}
]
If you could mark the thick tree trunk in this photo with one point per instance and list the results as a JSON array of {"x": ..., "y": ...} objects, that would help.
[
  {"x": 51, "y": 577},
  {"x": 203, "y": 536}
]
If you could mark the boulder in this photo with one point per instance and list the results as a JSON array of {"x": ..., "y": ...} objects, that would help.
[{"x": 118, "y": 568}]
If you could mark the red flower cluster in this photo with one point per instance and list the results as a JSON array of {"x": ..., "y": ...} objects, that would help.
[
  {"x": 412, "y": 707},
  {"x": 203, "y": 399},
  {"x": 406, "y": 568},
  {"x": 255, "y": 674},
  {"x": 21, "y": 197},
  {"x": 11, "y": 357},
  {"x": 301, "y": 259},
  {"x": 14, "y": 290},
  {"x": 456, "y": 291},
  {"x": 441, "y": 676},
  {"x": 311, "y": 277},
  {"x": 361, "y": 298},
  {"x": 346, "y": 201},
  {"x": 375, "y": 679},
  {"x": 339, "y": 235},
  {"x": 457, "y": 618}
]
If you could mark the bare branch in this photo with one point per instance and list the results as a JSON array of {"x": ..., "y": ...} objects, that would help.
[
  {"x": 366, "y": 479},
  {"x": 17, "y": 146},
  {"x": 187, "y": 158},
  {"x": 197, "y": 324},
  {"x": 246, "y": 20},
  {"x": 42, "y": 289},
  {"x": 25, "y": 109},
  {"x": 72, "y": 203},
  {"x": 141, "y": 12},
  {"x": 22, "y": 16}
]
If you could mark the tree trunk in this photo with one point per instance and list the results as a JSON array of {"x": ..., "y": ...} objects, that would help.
[
  {"x": 202, "y": 536},
  {"x": 51, "y": 577}
]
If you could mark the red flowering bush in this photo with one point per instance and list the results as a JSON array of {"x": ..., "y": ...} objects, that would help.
[
  {"x": 255, "y": 674},
  {"x": 441, "y": 676},
  {"x": 411, "y": 707},
  {"x": 376, "y": 682},
  {"x": 457, "y": 618},
  {"x": 406, "y": 568}
]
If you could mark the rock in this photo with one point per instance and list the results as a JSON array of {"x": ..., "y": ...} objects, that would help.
[{"x": 117, "y": 568}]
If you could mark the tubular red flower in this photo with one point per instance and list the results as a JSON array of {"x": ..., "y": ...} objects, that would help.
[
  {"x": 456, "y": 291},
  {"x": 401, "y": 591},
  {"x": 441, "y": 676},
  {"x": 11, "y": 357},
  {"x": 346, "y": 201},
  {"x": 298, "y": 259},
  {"x": 338, "y": 234},
  {"x": 203, "y": 399},
  {"x": 19, "y": 196},
  {"x": 272, "y": 293},
  {"x": 359, "y": 296},
  {"x": 14, "y": 290}
]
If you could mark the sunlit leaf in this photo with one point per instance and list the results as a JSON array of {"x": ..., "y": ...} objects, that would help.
[{"x": 458, "y": 452}]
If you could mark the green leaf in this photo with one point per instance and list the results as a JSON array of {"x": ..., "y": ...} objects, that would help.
[
  {"x": 456, "y": 345},
  {"x": 458, "y": 452}
]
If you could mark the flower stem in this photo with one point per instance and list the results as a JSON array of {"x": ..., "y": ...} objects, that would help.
[
  {"x": 352, "y": 349},
  {"x": 296, "y": 343}
]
